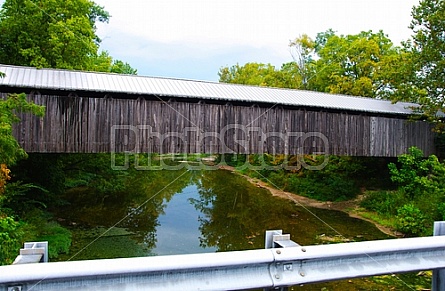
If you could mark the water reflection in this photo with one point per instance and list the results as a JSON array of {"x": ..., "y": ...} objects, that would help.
[
  {"x": 178, "y": 212},
  {"x": 237, "y": 214},
  {"x": 178, "y": 230}
]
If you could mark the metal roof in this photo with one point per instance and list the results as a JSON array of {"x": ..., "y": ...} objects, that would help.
[{"x": 55, "y": 79}]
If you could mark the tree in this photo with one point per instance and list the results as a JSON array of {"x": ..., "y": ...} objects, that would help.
[
  {"x": 426, "y": 81},
  {"x": 55, "y": 34},
  {"x": 366, "y": 64},
  {"x": 105, "y": 63},
  {"x": 249, "y": 74},
  {"x": 261, "y": 75},
  {"x": 10, "y": 150},
  {"x": 417, "y": 176},
  {"x": 421, "y": 183},
  {"x": 10, "y": 153},
  {"x": 351, "y": 64},
  {"x": 303, "y": 53},
  {"x": 52, "y": 34}
]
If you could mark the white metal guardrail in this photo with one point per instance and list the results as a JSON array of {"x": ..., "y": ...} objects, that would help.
[{"x": 266, "y": 268}]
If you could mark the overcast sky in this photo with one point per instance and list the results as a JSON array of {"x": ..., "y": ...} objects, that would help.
[{"x": 193, "y": 39}]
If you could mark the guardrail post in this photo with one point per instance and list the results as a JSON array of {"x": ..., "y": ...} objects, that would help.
[
  {"x": 33, "y": 252},
  {"x": 438, "y": 281},
  {"x": 268, "y": 243},
  {"x": 276, "y": 239}
]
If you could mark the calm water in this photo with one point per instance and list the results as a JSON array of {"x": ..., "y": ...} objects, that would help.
[{"x": 181, "y": 212}]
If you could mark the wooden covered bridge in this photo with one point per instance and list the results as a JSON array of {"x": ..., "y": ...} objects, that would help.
[{"x": 99, "y": 112}]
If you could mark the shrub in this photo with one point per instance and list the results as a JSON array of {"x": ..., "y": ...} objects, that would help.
[
  {"x": 384, "y": 203},
  {"x": 40, "y": 227},
  {"x": 330, "y": 188},
  {"x": 335, "y": 182},
  {"x": 58, "y": 238},
  {"x": 417, "y": 175},
  {"x": 10, "y": 239},
  {"x": 411, "y": 221}
]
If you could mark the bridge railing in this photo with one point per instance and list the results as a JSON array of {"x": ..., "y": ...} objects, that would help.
[{"x": 263, "y": 268}]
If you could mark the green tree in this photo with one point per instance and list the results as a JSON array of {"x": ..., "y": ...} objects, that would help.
[
  {"x": 10, "y": 239},
  {"x": 425, "y": 82},
  {"x": 103, "y": 62},
  {"x": 349, "y": 64},
  {"x": 366, "y": 64},
  {"x": 418, "y": 176},
  {"x": 10, "y": 153},
  {"x": 52, "y": 34},
  {"x": 422, "y": 185},
  {"x": 411, "y": 220},
  {"x": 10, "y": 150},
  {"x": 303, "y": 53},
  {"x": 55, "y": 34},
  {"x": 249, "y": 74},
  {"x": 261, "y": 75}
]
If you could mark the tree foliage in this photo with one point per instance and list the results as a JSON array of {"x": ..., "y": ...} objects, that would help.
[
  {"x": 411, "y": 220},
  {"x": 366, "y": 64},
  {"x": 420, "y": 196},
  {"x": 10, "y": 150},
  {"x": 10, "y": 239},
  {"x": 261, "y": 75},
  {"x": 51, "y": 34},
  {"x": 302, "y": 49},
  {"x": 418, "y": 176},
  {"x": 55, "y": 34},
  {"x": 425, "y": 80},
  {"x": 347, "y": 64},
  {"x": 10, "y": 153},
  {"x": 105, "y": 63}
]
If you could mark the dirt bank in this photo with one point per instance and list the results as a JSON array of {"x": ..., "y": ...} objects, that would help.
[{"x": 351, "y": 207}]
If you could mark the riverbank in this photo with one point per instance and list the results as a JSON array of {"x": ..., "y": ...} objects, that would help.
[{"x": 351, "y": 207}]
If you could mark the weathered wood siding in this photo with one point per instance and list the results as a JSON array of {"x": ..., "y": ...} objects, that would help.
[{"x": 80, "y": 124}]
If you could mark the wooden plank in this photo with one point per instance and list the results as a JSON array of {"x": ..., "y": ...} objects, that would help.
[{"x": 81, "y": 124}]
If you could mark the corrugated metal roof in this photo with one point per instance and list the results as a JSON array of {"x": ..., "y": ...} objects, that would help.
[{"x": 54, "y": 79}]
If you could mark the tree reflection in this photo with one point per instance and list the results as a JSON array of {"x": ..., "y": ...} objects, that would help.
[
  {"x": 136, "y": 209},
  {"x": 236, "y": 214},
  {"x": 151, "y": 191}
]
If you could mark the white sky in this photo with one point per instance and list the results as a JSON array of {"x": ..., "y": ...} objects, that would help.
[{"x": 193, "y": 39}]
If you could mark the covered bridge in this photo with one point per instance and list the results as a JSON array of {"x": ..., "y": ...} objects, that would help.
[{"x": 101, "y": 112}]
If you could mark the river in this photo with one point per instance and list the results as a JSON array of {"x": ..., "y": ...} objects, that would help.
[{"x": 184, "y": 211}]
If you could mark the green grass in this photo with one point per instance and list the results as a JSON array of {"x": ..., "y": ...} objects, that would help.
[{"x": 377, "y": 218}]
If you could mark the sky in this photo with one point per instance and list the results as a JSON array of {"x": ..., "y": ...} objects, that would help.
[{"x": 193, "y": 39}]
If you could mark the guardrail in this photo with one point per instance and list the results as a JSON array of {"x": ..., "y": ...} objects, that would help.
[{"x": 265, "y": 268}]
